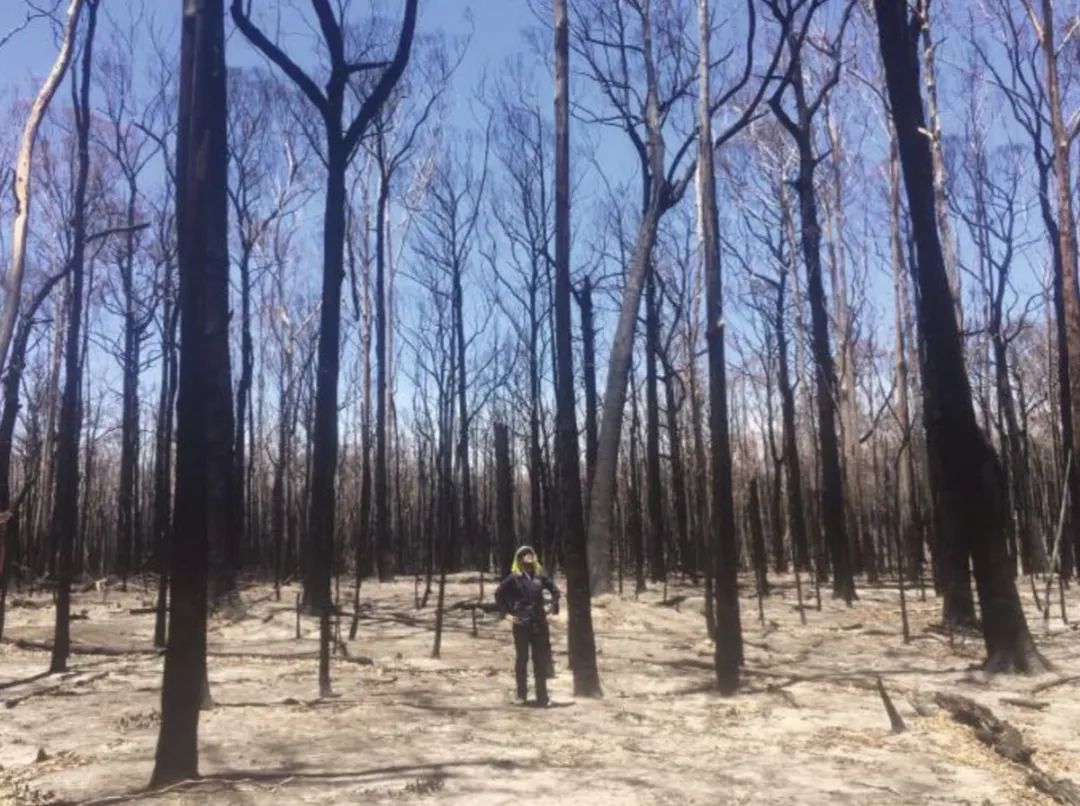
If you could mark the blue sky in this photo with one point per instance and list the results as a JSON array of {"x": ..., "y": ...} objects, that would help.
[{"x": 497, "y": 33}]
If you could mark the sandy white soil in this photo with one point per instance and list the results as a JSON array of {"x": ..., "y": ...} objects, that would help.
[{"x": 808, "y": 727}]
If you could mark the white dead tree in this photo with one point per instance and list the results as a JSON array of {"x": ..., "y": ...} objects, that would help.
[{"x": 12, "y": 283}]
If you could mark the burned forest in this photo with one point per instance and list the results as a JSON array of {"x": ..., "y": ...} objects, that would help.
[{"x": 613, "y": 401}]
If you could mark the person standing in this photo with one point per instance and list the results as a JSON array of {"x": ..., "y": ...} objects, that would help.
[{"x": 521, "y": 595}]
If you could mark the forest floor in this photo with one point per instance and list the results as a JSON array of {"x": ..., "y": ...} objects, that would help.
[{"x": 808, "y": 727}]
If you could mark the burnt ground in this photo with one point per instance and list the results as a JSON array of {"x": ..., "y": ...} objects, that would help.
[{"x": 808, "y": 727}]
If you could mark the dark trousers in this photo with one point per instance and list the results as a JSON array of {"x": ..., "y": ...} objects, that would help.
[{"x": 528, "y": 637}]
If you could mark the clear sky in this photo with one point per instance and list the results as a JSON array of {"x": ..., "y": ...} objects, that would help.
[{"x": 496, "y": 28}]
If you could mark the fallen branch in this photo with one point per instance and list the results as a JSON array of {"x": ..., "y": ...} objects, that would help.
[
  {"x": 88, "y": 649},
  {"x": 1008, "y": 742},
  {"x": 895, "y": 719},
  {"x": 83, "y": 649},
  {"x": 1021, "y": 702},
  {"x": 50, "y": 689},
  {"x": 1061, "y": 681}
]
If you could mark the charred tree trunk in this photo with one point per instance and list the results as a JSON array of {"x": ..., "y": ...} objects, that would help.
[
  {"x": 582, "y": 644},
  {"x": 202, "y": 514},
  {"x": 1067, "y": 277},
  {"x": 728, "y": 654},
  {"x": 963, "y": 467},
  {"x": 832, "y": 492},
  {"x": 796, "y": 513},
  {"x": 504, "y": 494},
  {"x": 757, "y": 539},
  {"x": 687, "y": 555},
  {"x": 384, "y": 550},
  {"x": 225, "y": 577},
  {"x": 9, "y": 529},
  {"x": 163, "y": 460},
  {"x": 128, "y": 526},
  {"x": 653, "y": 484},
  {"x": 588, "y": 359},
  {"x": 65, "y": 523}
]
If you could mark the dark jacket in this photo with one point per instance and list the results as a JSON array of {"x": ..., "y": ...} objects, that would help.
[{"x": 522, "y": 596}]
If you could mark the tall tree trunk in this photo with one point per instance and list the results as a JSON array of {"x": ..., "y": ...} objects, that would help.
[
  {"x": 910, "y": 531},
  {"x": 384, "y": 551},
  {"x": 468, "y": 517},
  {"x": 635, "y": 527},
  {"x": 796, "y": 513},
  {"x": 757, "y": 539},
  {"x": 163, "y": 460},
  {"x": 204, "y": 405},
  {"x": 65, "y": 522},
  {"x": 130, "y": 542},
  {"x": 582, "y": 644},
  {"x": 728, "y": 646},
  {"x": 653, "y": 483},
  {"x": 225, "y": 584},
  {"x": 504, "y": 495},
  {"x": 941, "y": 199},
  {"x": 687, "y": 555},
  {"x": 1066, "y": 221},
  {"x": 588, "y": 360},
  {"x": 963, "y": 467},
  {"x": 832, "y": 492}
]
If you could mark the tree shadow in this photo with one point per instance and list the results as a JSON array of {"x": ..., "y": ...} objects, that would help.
[
  {"x": 284, "y": 775},
  {"x": 20, "y": 681}
]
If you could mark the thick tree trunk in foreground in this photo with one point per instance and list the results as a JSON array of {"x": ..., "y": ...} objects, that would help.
[
  {"x": 963, "y": 466},
  {"x": 582, "y": 644},
  {"x": 204, "y": 405},
  {"x": 728, "y": 654}
]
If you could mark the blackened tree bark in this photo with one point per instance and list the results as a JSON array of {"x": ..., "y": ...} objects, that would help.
[
  {"x": 757, "y": 539},
  {"x": 384, "y": 554},
  {"x": 801, "y": 129},
  {"x": 728, "y": 653},
  {"x": 688, "y": 559},
  {"x": 588, "y": 360},
  {"x": 65, "y": 521},
  {"x": 796, "y": 514},
  {"x": 163, "y": 455},
  {"x": 582, "y": 644},
  {"x": 654, "y": 497},
  {"x": 1023, "y": 89},
  {"x": 963, "y": 467},
  {"x": 908, "y": 520},
  {"x": 204, "y": 405},
  {"x": 621, "y": 49},
  {"x": 635, "y": 529},
  {"x": 504, "y": 494},
  {"x": 1070, "y": 292},
  {"x": 9, "y": 529},
  {"x": 262, "y": 189},
  {"x": 341, "y": 142}
]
